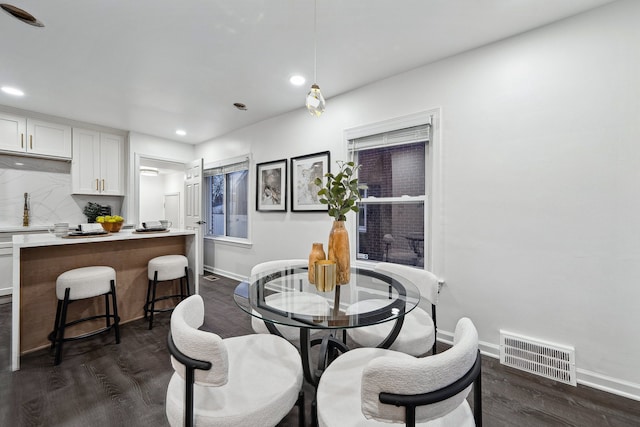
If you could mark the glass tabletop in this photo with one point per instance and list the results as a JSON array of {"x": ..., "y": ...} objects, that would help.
[{"x": 284, "y": 296}]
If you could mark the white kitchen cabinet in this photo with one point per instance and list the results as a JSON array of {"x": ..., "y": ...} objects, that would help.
[
  {"x": 97, "y": 166},
  {"x": 33, "y": 136}
]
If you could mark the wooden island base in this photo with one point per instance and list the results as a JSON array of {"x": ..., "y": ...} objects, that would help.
[{"x": 40, "y": 266}]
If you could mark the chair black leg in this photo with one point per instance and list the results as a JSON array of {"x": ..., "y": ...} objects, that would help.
[
  {"x": 188, "y": 398},
  {"x": 116, "y": 319},
  {"x": 63, "y": 321},
  {"x": 153, "y": 299},
  {"x": 300, "y": 404},
  {"x": 477, "y": 399},
  {"x": 435, "y": 329}
]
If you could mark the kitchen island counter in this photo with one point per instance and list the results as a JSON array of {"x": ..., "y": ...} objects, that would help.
[{"x": 38, "y": 259}]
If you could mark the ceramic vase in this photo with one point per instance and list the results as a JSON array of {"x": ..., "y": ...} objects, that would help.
[
  {"x": 317, "y": 253},
  {"x": 339, "y": 252}
]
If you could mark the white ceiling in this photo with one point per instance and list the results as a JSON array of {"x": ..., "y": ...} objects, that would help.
[{"x": 152, "y": 66}]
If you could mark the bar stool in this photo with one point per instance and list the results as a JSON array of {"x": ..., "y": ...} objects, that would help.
[
  {"x": 162, "y": 269},
  {"x": 78, "y": 284}
]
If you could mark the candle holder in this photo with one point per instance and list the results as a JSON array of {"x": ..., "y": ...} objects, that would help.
[{"x": 325, "y": 275}]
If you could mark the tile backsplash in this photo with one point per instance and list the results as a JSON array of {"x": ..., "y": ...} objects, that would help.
[{"x": 48, "y": 183}]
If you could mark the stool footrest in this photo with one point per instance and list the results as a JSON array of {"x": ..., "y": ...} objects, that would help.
[{"x": 86, "y": 335}]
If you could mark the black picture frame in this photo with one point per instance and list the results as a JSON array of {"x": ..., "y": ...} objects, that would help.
[
  {"x": 304, "y": 171},
  {"x": 271, "y": 186}
]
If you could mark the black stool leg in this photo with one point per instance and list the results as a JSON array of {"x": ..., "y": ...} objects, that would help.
[
  {"x": 54, "y": 334},
  {"x": 186, "y": 277},
  {"x": 153, "y": 299},
  {"x": 63, "y": 321},
  {"x": 116, "y": 319},
  {"x": 146, "y": 304},
  {"x": 107, "y": 310}
]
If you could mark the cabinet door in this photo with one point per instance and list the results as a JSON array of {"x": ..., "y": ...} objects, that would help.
[
  {"x": 85, "y": 165},
  {"x": 111, "y": 164},
  {"x": 48, "y": 139},
  {"x": 12, "y": 132}
]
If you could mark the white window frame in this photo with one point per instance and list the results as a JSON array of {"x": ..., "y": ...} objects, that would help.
[
  {"x": 433, "y": 221},
  {"x": 234, "y": 241}
]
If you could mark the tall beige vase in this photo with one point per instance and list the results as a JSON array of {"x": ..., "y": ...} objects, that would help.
[
  {"x": 317, "y": 253},
  {"x": 339, "y": 252}
]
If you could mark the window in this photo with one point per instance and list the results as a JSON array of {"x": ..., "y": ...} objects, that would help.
[
  {"x": 392, "y": 177},
  {"x": 228, "y": 200}
]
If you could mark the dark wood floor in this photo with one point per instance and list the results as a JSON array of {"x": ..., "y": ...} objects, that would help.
[{"x": 103, "y": 384}]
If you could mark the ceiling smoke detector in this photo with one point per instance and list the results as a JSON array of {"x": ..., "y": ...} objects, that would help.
[
  {"x": 240, "y": 106},
  {"x": 20, "y": 14}
]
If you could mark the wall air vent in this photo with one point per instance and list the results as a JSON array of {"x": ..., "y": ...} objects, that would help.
[{"x": 552, "y": 361}]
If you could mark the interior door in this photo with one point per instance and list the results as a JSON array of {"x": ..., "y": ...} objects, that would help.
[
  {"x": 172, "y": 209},
  {"x": 193, "y": 206}
]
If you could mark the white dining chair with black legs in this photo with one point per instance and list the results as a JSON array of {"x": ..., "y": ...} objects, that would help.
[
  {"x": 252, "y": 380},
  {"x": 294, "y": 301},
  {"x": 374, "y": 387},
  {"x": 419, "y": 329}
]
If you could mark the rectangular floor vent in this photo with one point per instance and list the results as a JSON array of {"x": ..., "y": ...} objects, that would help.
[
  {"x": 210, "y": 277},
  {"x": 552, "y": 361}
]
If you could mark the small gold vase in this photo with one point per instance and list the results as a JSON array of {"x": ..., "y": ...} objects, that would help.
[
  {"x": 339, "y": 252},
  {"x": 317, "y": 253}
]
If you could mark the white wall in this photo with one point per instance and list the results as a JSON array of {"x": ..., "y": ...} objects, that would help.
[
  {"x": 151, "y": 198},
  {"x": 541, "y": 197}
]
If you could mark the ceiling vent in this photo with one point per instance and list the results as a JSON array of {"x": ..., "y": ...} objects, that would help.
[{"x": 20, "y": 14}]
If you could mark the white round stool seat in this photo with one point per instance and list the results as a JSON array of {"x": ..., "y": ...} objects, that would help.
[
  {"x": 169, "y": 267},
  {"x": 85, "y": 282}
]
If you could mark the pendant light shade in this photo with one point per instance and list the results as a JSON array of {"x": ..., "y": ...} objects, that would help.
[{"x": 315, "y": 101}]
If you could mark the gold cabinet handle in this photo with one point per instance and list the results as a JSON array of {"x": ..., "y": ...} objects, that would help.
[
  {"x": 97, "y": 188},
  {"x": 22, "y": 140},
  {"x": 103, "y": 185},
  {"x": 30, "y": 142}
]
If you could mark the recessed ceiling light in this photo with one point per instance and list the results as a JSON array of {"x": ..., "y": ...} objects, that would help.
[
  {"x": 297, "y": 80},
  {"x": 181, "y": 132},
  {"x": 19, "y": 164},
  {"x": 240, "y": 106},
  {"x": 12, "y": 91}
]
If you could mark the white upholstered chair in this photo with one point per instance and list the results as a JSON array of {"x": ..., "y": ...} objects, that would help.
[
  {"x": 418, "y": 333},
  {"x": 295, "y": 301},
  {"x": 251, "y": 380},
  {"x": 375, "y": 387}
]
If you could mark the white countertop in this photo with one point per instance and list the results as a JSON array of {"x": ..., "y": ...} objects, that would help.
[
  {"x": 21, "y": 229},
  {"x": 48, "y": 239}
]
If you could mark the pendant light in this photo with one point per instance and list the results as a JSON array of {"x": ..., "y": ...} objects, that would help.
[{"x": 315, "y": 101}]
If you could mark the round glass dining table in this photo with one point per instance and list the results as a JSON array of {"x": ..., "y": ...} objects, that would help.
[{"x": 286, "y": 297}]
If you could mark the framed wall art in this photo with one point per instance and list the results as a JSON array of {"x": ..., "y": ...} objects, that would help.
[
  {"x": 304, "y": 171},
  {"x": 271, "y": 186}
]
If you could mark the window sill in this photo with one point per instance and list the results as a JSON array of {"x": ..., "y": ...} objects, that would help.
[{"x": 230, "y": 241}]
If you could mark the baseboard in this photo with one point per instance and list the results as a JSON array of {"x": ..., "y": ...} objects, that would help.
[
  {"x": 586, "y": 378},
  {"x": 486, "y": 349},
  {"x": 224, "y": 273},
  {"x": 610, "y": 385}
]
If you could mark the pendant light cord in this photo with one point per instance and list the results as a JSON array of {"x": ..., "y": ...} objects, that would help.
[{"x": 315, "y": 41}]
